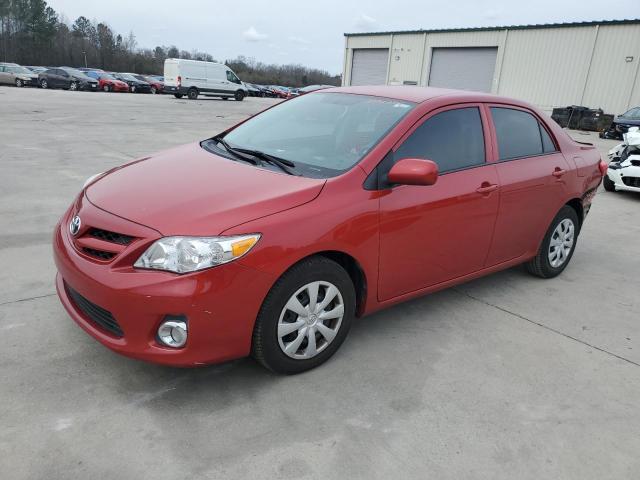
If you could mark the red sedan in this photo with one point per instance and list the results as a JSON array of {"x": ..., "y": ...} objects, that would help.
[
  {"x": 269, "y": 238},
  {"x": 109, "y": 83}
]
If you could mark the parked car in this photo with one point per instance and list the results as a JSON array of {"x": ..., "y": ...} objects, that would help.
[
  {"x": 17, "y": 75},
  {"x": 332, "y": 205},
  {"x": 107, "y": 82},
  {"x": 156, "y": 85},
  {"x": 265, "y": 90},
  {"x": 135, "y": 85},
  {"x": 623, "y": 173},
  {"x": 193, "y": 78},
  {"x": 622, "y": 123},
  {"x": 252, "y": 90},
  {"x": 67, "y": 78},
  {"x": 280, "y": 92}
]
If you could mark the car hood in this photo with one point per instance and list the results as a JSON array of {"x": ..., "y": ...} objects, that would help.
[{"x": 190, "y": 191}]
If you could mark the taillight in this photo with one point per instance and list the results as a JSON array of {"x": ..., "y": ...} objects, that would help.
[
  {"x": 603, "y": 167},
  {"x": 179, "y": 80}
]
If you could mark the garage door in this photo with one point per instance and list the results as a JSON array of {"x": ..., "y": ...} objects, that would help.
[
  {"x": 369, "y": 66},
  {"x": 463, "y": 68}
]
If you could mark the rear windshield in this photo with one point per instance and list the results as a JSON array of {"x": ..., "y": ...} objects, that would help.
[{"x": 323, "y": 133}]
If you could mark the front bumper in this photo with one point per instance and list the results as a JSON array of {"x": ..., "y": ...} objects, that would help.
[
  {"x": 625, "y": 179},
  {"x": 221, "y": 303}
]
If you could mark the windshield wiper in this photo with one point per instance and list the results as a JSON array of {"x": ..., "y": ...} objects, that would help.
[
  {"x": 284, "y": 164},
  {"x": 235, "y": 152}
]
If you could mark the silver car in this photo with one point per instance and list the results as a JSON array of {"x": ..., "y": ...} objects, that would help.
[{"x": 12, "y": 74}]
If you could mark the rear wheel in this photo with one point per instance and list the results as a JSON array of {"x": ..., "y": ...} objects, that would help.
[
  {"x": 192, "y": 93},
  {"x": 177, "y": 95},
  {"x": 133, "y": 89},
  {"x": 239, "y": 96},
  {"x": 608, "y": 184},
  {"x": 558, "y": 245},
  {"x": 305, "y": 317}
]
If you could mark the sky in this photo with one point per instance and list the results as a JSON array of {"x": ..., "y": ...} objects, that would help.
[{"x": 311, "y": 32}]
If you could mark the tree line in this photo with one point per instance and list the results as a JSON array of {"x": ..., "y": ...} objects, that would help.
[{"x": 33, "y": 33}]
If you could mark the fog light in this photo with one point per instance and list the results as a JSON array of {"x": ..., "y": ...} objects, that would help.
[{"x": 173, "y": 332}]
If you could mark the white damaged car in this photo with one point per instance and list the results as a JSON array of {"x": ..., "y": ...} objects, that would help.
[{"x": 624, "y": 166}]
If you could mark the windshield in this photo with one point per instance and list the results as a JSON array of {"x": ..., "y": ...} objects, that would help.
[
  {"x": 106, "y": 76},
  {"x": 77, "y": 73},
  {"x": 325, "y": 134},
  {"x": 633, "y": 113},
  {"x": 20, "y": 70}
]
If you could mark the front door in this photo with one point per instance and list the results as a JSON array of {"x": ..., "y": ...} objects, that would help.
[{"x": 431, "y": 234}]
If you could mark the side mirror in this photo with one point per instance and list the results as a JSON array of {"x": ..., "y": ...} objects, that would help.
[{"x": 413, "y": 171}]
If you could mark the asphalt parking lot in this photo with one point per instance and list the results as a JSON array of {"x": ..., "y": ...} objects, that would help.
[{"x": 507, "y": 377}]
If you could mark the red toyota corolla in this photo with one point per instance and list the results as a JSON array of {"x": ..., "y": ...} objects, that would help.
[{"x": 269, "y": 238}]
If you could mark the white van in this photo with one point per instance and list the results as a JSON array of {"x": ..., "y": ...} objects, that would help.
[{"x": 193, "y": 78}]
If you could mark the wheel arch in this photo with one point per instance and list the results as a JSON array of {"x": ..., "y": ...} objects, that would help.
[
  {"x": 576, "y": 204},
  {"x": 353, "y": 269}
]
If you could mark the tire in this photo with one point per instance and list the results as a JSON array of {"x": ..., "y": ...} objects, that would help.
[
  {"x": 192, "y": 94},
  {"x": 133, "y": 89},
  {"x": 268, "y": 347},
  {"x": 541, "y": 265},
  {"x": 153, "y": 90},
  {"x": 106, "y": 88},
  {"x": 608, "y": 184},
  {"x": 73, "y": 86},
  {"x": 44, "y": 84},
  {"x": 19, "y": 83},
  {"x": 177, "y": 95},
  {"x": 239, "y": 96},
  {"x": 225, "y": 98}
]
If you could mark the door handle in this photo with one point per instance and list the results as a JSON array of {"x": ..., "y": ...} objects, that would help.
[
  {"x": 558, "y": 172},
  {"x": 487, "y": 188}
]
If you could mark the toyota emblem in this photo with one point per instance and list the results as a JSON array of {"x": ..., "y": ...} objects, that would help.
[{"x": 74, "y": 225}]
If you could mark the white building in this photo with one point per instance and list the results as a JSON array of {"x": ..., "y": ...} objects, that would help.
[{"x": 594, "y": 64}]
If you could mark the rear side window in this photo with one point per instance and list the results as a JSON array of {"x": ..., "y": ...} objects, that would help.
[
  {"x": 453, "y": 139},
  {"x": 520, "y": 134}
]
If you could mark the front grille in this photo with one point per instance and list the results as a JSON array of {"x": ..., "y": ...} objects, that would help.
[
  {"x": 98, "y": 315},
  {"x": 631, "y": 181},
  {"x": 112, "y": 237},
  {"x": 101, "y": 254}
]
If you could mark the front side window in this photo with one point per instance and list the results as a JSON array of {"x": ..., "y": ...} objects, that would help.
[
  {"x": 325, "y": 134},
  {"x": 453, "y": 139},
  {"x": 232, "y": 77},
  {"x": 519, "y": 134}
]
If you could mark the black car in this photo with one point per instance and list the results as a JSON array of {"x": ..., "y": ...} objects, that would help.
[
  {"x": 67, "y": 78},
  {"x": 135, "y": 85},
  {"x": 621, "y": 124}
]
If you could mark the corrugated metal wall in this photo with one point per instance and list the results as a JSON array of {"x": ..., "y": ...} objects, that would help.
[{"x": 549, "y": 67}]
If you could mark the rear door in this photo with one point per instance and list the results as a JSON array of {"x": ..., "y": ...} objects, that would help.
[
  {"x": 533, "y": 175},
  {"x": 5, "y": 77},
  {"x": 431, "y": 234}
]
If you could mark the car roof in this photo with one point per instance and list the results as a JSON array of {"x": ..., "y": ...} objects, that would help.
[{"x": 421, "y": 94}]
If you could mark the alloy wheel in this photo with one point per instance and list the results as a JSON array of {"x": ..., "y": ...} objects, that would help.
[
  {"x": 73, "y": 86},
  {"x": 18, "y": 83},
  {"x": 310, "y": 320},
  {"x": 561, "y": 243}
]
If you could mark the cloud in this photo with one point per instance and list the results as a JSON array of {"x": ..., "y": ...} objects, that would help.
[
  {"x": 300, "y": 40},
  {"x": 365, "y": 22},
  {"x": 252, "y": 35}
]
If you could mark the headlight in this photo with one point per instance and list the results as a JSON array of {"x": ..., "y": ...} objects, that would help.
[
  {"x": 91, "y": 179},
  {"x": 189, "y": 254}
]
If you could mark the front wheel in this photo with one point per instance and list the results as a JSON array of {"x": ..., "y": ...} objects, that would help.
[
  {"x": 154, "y": 90},
  {"x": 558, "y": 245},
  {"x": 73, "y": 86},
  {"x": 19, "y": 83},
  {"x": 177, "y": 95},
  {"x": 106, "y": 88},
  {"x": 239, "y": 96},
  {"x": 608, "y": 184},
  {"x": 44, "y": 84},
  {"x": 133, "y": 89},
  {"x": 305, "y": 317}
]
